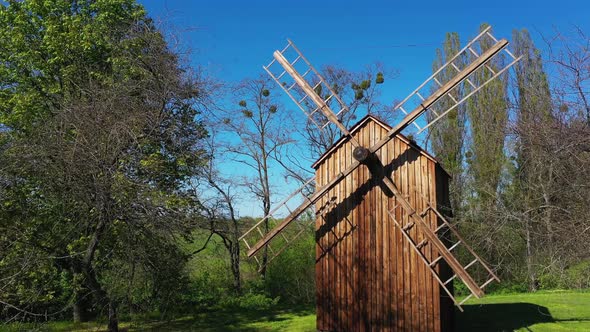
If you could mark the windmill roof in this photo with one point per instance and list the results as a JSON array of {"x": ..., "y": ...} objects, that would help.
[{"x": 360, "y": 124}]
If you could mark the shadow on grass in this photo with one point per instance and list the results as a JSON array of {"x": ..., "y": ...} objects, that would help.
[
  {"x": 224, "y": 320},
  {"x": 501, "y": 317}
]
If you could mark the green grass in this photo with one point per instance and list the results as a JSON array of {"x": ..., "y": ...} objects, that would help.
[
  {"x": 538, "y": 312},
  {"x": 296, "y": 319}
]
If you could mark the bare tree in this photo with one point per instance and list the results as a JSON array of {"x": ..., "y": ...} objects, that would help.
[
  {"x": 217, "y": 203},
  {"x": 571, "y": 54},
  {"x": 255, "y": 132}
]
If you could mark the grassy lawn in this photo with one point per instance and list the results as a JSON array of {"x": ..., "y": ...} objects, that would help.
[
  {"x": 542, "y": 311},
  {"x": 294, "y": 320},
  {"x": 539, "y": 312}
]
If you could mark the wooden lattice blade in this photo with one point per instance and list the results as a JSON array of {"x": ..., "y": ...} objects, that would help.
[
  {"x": 301, "y": 208},
  {"x": 449, "y": 258},
  {"x": 446, "y": 88},
  {"x": 302, "y": 83},
  {"x": 307, "y": 87}
]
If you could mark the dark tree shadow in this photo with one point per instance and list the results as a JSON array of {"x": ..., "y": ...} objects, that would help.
[
  {"x": 225, "y": 320},
  {"x": 501, "y": 317}
]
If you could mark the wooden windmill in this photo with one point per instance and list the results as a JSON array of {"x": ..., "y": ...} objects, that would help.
[{"x": 384, "y": 249}]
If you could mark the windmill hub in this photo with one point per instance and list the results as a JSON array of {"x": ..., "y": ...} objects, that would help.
[{"x": 360, "y": 153}]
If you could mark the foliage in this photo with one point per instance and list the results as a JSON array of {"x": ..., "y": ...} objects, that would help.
[
  {"x": 53, "y": 45},
  {"x": 249, "y": 301},
  {"x": 574, "y": 277},
  {"x": 102, "y": 135},
  {"x": 291, "y": 276},
  {"x": 448, "y": 136},
  {"x": 488, "y": 117}
]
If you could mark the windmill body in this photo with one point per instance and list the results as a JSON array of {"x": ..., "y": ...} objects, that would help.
[
  {"x": 367, "y": 274},
  {"x": 386, "y": 255}
]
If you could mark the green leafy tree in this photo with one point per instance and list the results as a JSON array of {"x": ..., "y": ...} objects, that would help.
[
  {"x": 488, "y": 116},
  {"x": 100, "y": 136},
  {"x": 447, "y": 137},
  {"x": 48, "y": 48}
]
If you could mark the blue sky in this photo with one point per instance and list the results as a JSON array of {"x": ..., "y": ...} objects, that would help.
[
  {"x": 231, "y": 40},
  {"x": 234, "y": 38}
]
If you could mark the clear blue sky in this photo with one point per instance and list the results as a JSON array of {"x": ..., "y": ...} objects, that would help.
[
  {"x": 234, "y": 38},
  {"x": 231, "y": 40}
]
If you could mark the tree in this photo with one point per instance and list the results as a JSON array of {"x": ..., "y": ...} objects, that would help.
[
  {"x": 488, "y": 116},
  {"x": 534, "y": 178},
  {"x": 550, "y": 161},
  {"x": 102, "y": 137},
  {"x": 220, "y": 214},
  {"x": 259, "y": 126},
  {"x": 448, "y": 136},
  {"x": 571, "y": 55},
  {"x": 49, "y": 47}
]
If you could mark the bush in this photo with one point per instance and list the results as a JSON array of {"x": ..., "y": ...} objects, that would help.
[
  {"x": 578, "y": 276},
  {"x": 459, "y": 288},
  {"x": 551, "y": 280},
  {"x": 249, "y": 301},
  {"x": 292, "y": 274}
]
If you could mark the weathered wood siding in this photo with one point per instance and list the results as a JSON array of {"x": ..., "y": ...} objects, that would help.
[{"x": 368, "y": 277}]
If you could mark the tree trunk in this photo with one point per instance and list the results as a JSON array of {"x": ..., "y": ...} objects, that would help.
[
  {"x": 264, "y": 253},
  {"x": 235, "y": 266},
  {"x": 529, "y": 259},
  {"x": 548, "y": 215},
  {"x": 266, "y": 211},
  {"x": 113, "y": 319},
  {"x": 77, "y": 308},
  {"x": 92, "y": 280},
  {"x": 80, "y": 307}
]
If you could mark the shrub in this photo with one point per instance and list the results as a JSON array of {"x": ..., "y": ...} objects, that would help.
[
  {"x": 249, "y": 301},
  {"x": 292, "y": 274},
  {"x": 578, "y": 276}
]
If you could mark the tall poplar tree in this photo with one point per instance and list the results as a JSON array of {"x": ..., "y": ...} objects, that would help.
[
  {"x": 448, "y": 135},
  {"x": 488, "y": 117}
]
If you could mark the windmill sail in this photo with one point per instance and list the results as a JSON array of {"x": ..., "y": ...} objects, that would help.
[
  {"x": 423, "y": 112},
  {"x": 256, "y": 237},
  {"x": 433, "y": 239},
  {"x": 306, "y": 90}
]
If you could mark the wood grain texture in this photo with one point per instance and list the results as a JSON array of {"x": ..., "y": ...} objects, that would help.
[{"x": 368, "y": 278}]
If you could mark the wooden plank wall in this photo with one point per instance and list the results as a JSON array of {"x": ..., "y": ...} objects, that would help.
[{"x": 367, "y": 277}]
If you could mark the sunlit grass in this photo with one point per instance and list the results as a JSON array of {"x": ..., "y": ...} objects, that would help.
[{"x": 541, "y": 311}]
